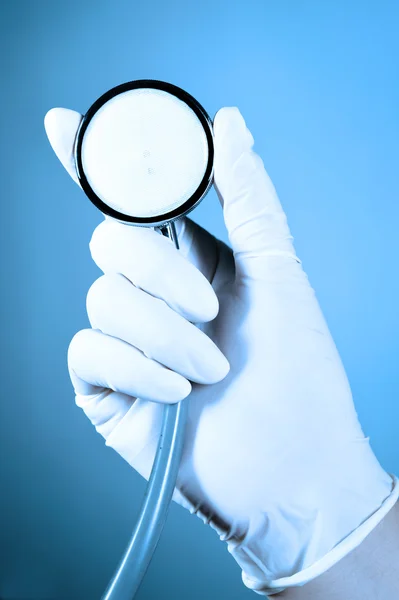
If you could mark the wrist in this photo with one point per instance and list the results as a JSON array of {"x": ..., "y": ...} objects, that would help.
[
  {"x": 317, "y": 524},
  {"x": 338, "y": 552},
  {"x": 367, "y": 572}
]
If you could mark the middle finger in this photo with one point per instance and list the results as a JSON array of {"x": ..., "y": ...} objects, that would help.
[{"x": 117, "y": 308}]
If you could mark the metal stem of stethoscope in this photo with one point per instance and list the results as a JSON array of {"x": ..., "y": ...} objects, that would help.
[{"x": 158, "y": 495}]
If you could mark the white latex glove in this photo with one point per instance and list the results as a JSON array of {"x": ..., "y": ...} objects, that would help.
[{"x": 275, "y": 459}]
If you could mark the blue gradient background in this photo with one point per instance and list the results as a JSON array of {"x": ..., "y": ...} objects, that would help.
[{"x": 318, "y": 85}]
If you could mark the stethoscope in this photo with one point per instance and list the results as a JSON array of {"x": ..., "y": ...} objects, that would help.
[{"x": 144, "y": 156}]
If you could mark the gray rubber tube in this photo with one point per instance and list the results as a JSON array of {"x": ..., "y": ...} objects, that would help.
[{"x": 157, "y": 498}]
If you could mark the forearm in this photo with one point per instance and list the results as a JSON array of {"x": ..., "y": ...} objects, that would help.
[{"x": 369, "y": 572}]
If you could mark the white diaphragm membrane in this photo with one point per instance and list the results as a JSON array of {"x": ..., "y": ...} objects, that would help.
[{"x": 144, "y": 152}]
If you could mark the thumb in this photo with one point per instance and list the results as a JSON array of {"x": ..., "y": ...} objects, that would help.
[
  {"x": 255, "y": 220},
  {"x": 61, "y": 125}
]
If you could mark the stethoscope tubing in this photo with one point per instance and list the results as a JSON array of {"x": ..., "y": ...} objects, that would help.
[{"x": 158, "y": 495}]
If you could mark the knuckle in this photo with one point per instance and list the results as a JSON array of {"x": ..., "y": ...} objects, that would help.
[
  {"x": 103, "y": 296},
  {"x": 103, "y": 240},
  {"x": 77, "y": 346},
  {"x": 97, "y": 239},
  {"x": 97, "y": 291},
  {"x": 108, "y": 244}
]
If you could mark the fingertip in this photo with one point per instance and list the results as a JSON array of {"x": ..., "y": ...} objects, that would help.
[
  {"x": 61, "y": 125},
  {"x": 185, "y": 388},
  {"x": 179, "y": 389},
  {"x": 232, "y": 140},
  {"x": 228, "y": 113},
  {"x": 229, "y": 121},
  {"x": 213, "y": 365},
  {"x": 209, "y": 308},
  {"x": 221, "y": 370}
]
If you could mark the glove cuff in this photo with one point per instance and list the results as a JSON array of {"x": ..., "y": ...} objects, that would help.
[{"x": 354, "y": 539}]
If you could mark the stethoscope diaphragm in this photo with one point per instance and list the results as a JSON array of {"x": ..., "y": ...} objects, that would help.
[{"x": 144, "y": 152}]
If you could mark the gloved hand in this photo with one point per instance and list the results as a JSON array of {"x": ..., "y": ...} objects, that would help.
[{"x": 275, "y": 459}]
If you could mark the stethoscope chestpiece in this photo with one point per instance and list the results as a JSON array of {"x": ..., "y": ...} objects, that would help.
[{"x": 144, "y": 153}]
